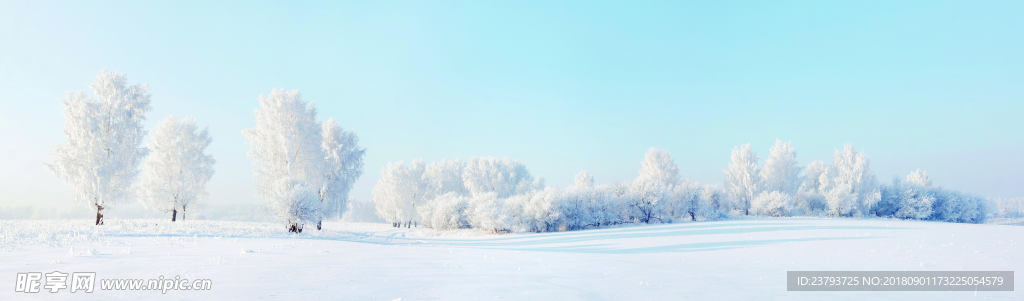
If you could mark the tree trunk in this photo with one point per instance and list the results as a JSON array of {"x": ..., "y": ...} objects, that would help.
[
  {"x": 174, "y": 215},
  {"x": 99, "y": 215},
  {"x": 295, "y": 228}
]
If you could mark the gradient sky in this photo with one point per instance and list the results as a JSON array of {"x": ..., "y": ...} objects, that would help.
[{"x": 559, "y": 85}]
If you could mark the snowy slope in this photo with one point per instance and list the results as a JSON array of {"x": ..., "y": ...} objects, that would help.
[{"x": 726, "y": 260}]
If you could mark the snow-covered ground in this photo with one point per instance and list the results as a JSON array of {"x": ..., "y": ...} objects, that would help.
[{"x": 726, "y": 260}]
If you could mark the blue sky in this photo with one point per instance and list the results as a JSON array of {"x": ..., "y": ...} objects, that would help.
[{"x": 559, "y": 85}]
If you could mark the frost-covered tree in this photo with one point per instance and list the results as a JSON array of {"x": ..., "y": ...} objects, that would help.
[
  {"x": 445, "y": 195},
  {"x": 491, "y": 182},
  {"x": 645, "y": 200},
  {"x": 742, "y": 178},
  {"x": 445, "y": 176},
  {"x": 487, "y": 211},
  {"x": 343, "y": 164},
  {"x": 916, "y": 198},
  {"x": 577, "y": 200},
  {"x": 919, "y": 177},
  {"x": 890, "y": 199},
  {"x": 847, "y": 187},
  {"x": 104, "y": 134},
  {"x": 714, "y": 200},
  {"x": 177, "y": 169},
  {"x": 781, "y": 171},
  {"x": 910, "y": 199},
  {"x": 705, "y": 202},
  {"x": 952, "y": 206},
  {"x": 584, "y": 204},
  {"x": 656, "y": 179},
  {"x": 299, "y": 201},
  {"x": 658, "y": 168},
  {"x": 535, "y": 211},
  {"x": 399, "y": 191},
  {"x": 772, "y": 203},
  {"x": 684, "y": 202},
  {"x": 915, "y": 203},
  {"x": 286, "y": 147},
  {"x": 446, "y": 211},
  {"x": 810, "y": 198},
  {"x": 852, "y": 189},
  {"x": 583, "y": 180},
  {"x": 1008, "y": 207},
  {"x": 453, "y": 192},
  {"x": 503, "y": 177}
]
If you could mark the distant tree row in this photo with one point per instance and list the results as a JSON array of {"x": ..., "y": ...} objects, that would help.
[
  {"x": 916, "y": 198},
  {"x": 500, "y": 195},
  {"x": 305, "y": 169},
  {"x": 847, "y": 187}
]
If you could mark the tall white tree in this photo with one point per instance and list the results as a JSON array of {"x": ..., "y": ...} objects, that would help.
[
  {"x": 177, "y": 169},
  {"x": 445, "y": 176},
  {"x": 851, "y": 189},
  {"x": 919, "y": 177},
  {"x": 811, "y": 194},
  {"x": 503, "y": 177},
  {"x": 657, "y": 177},
  {"x": 742, "y": 178},
  {"x": 342, "y": 166},
  {"x": 659, "y": 168},
  {"x": 104, "y": 141},
  {"x": 399, "y": 191},
  {"x": 781, "y": 171},
  {"x": 577, "y": 202},
  {"x": 286, "y": 146}
]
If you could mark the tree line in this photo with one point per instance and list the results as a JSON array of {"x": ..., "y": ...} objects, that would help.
[
  {"x": 305, "y": 169},
  {"x": 500, "y": 195}
]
